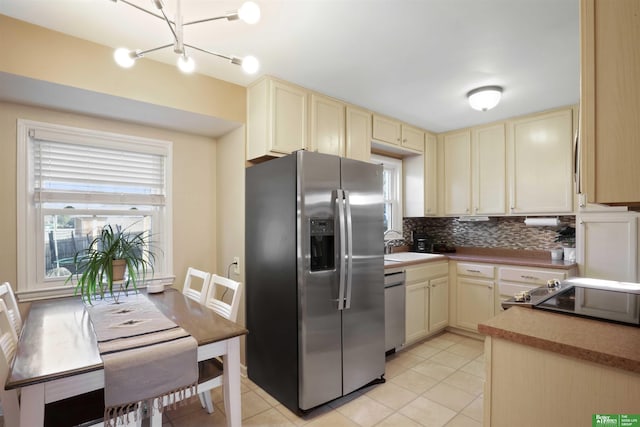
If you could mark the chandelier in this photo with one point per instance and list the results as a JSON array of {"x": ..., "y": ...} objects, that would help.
[{"x": 249, "y": 12}]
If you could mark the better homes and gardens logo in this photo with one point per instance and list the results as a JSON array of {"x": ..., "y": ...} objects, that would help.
[{"x": 619, "y": 420}]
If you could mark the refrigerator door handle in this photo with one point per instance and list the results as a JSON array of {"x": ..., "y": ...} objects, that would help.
[
  {"x": 349, "y": 253},
  {"x": 343, "y": 251}
]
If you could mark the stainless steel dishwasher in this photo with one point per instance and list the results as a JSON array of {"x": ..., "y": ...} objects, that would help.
[{"x": 394, "y": 310}]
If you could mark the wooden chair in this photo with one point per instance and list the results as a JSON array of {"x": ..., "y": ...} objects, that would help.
[
  {"x": 210, "y": 371},
  {"x": 7, "y": 295},
  {"x": 8, "y": 344},
  {"x": 216, "y": 303},
  {"x": 193, "y": 292}
]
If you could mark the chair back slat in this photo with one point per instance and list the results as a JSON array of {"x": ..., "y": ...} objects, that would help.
[
  {"x": 189, "y": 288},
  {"x": 9, "y": 298},
  {"x": 8, "y": 344},
  {"x": 227, "y": 310}
]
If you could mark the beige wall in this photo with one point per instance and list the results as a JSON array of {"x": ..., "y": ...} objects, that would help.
[
  {"x": 230, "y": 208},
  {"x": 38, "y": 53},
  {"x": 194, "y": 186}
]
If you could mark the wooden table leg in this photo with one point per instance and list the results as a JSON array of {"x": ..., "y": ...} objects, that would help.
[
  {"x": 32, "y": 406},
  {"x": 231, "y": 383}
]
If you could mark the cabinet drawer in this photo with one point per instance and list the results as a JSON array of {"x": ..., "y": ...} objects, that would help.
[
  {"x": 426, "y": 272},
  {"x": 535, "y": 277},
  {"x": 510, "y": 289},
  {"x": 475, "y": 270}
]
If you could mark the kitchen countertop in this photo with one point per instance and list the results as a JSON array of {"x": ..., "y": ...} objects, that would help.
[
  {"x": 606, "y": 343},
  {"x": 529, "y": 258}
]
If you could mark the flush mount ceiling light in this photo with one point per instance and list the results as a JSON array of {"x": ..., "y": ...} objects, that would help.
[
  {"x": 249, "y": 12},
  {"x": 484, "y": 98}
]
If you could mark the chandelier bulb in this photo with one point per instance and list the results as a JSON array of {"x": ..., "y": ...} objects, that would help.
[
  {"x": 249, "y": 12},
  {"x": 186, "y": 64},
  {"x": 124, "y": 57},
  {"x": 250, "y": 64}
]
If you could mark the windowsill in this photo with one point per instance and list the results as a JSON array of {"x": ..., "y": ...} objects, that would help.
[{"x": 69, "y": 291}]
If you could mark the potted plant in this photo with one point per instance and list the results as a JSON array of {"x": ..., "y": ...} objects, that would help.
[
  {"x": 567, "y": 236},
  {"x": 105, "y": 261}
]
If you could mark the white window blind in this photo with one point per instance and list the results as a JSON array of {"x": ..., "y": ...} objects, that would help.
[{"x": 72, "y": 171}]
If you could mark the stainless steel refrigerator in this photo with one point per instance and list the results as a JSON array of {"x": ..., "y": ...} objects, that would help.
[{"x": 314, "y": 277}]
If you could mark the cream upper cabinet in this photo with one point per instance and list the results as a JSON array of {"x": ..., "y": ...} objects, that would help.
[
  {"x": 542, "y": 163},
  {"x": 607, "y": 246},
  {"x": 430, "y": 175},
  {"x": 457, "y": 173},
  {"x": 358, "y": 134},
  {"x": 412, "y": 138},
  {"x": 327, "y": 125},
  {"x": 475, "y": 171},
  {"x": 386, "y": 130},
  {"x": 610, "y": 101},
  {"x": 276, "y": 119},
  {"x": 489, "y": 170}
]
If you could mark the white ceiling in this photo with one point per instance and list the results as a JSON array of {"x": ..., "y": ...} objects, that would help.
[{"x": 410, "y": 59}]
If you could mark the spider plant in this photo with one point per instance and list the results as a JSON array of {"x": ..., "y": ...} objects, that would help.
[{"x": 95, "y": 264}]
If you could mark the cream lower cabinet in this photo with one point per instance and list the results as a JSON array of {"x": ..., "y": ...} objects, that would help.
[
  {"x": 427, "y": 300},
  {"x": 512, "y": 280},
  {"x": 475, "y": 299}
]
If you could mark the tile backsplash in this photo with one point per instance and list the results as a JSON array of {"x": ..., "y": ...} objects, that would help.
[{"x": 499, "y": 232}]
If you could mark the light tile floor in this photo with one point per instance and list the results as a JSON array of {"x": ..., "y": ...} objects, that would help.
[{"x": 438, "y": 382}]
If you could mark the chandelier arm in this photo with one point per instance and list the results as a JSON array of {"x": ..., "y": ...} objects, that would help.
[
  {"x": 144, "y": 52},
  {"x": 205, "y": 20},
  {"x": 169, "y": 23},
  {"x": 209, "y": 52},
  {"x": 144, "y": 10}
]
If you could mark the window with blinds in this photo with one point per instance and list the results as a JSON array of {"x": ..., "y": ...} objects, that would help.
[{"x": 73, "y": 182}]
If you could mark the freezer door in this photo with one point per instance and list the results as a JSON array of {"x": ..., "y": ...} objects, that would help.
[
  {"x": 319, "y": 349},
  {"x": 363, "y": 320}
]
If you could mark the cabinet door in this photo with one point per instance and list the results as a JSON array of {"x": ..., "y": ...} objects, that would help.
[
  {"x": 412, "y": 138},
  {"x": 289, "y": 121},
  {"x": 386, "y": 130},
  {"x": 610, "y": 100},
  {"x": 475, "y": 302},
  {"x": 457, "y": 173},
  {"x": 438, "y": 303},
  {"x": 327, "y": 125},
  {"x": 358, "y": 135},
  {"x": 543, "y": 164},
  {"x": 607, "y": 246},
  {"x": 430, "y": 175},
  {"x": 489, "y": 170},
  {"x": 417, "y": 325}
]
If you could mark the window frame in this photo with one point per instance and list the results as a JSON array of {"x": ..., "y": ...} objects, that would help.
[
  {"x": 394, "y": 166},
  {"x": 31, "y": 283}
]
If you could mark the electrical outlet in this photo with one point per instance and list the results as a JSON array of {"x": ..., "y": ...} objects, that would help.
[{"x": 236, "y": 266}]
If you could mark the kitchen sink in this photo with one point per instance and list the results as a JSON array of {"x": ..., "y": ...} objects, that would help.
[{"x": 410, "y": 256}]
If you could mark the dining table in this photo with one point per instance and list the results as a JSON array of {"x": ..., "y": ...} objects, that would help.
[{"x": 57, "y": 354}]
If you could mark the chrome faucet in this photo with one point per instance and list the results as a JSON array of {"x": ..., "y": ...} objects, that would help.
[{"x": 387, "y": 242}]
